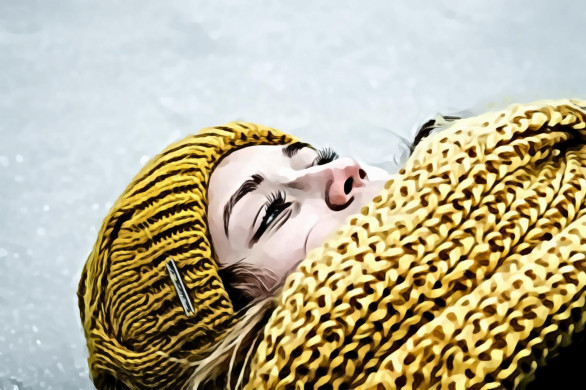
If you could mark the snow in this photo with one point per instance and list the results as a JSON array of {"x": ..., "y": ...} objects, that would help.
[{"x": 90, "y": 90}]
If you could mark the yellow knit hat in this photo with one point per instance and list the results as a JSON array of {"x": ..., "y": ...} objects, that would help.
[{"x": 129, "y": 307}]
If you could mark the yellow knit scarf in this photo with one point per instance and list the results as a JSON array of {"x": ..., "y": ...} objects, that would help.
[{"x": 467, "y": 271}]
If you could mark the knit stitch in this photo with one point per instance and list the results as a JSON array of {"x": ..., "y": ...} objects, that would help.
[
  {"x": 467, "y": 271},
  {"x": 138, "y": 334}
]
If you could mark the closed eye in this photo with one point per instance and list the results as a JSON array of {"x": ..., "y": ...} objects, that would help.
[
  {"x": 324, "y": 156},
  {"x": 275, "y": 205}
]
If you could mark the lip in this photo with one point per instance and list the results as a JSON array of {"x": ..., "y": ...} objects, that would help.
[{"x": 332, "y": 206}]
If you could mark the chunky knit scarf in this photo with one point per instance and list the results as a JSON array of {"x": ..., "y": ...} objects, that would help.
[{"x": 467, "y": 272}]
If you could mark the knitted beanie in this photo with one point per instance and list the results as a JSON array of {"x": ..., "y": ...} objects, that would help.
[{"x": 132, "y": 316}]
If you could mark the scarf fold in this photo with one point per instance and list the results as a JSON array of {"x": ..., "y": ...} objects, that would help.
[{"x": 468, "y": 271}]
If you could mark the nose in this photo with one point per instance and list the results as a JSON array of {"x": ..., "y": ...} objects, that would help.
[
  {"x": 337, "y": 181},
  {"x": 341, "y": 188}
]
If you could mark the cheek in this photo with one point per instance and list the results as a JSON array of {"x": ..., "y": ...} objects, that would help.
[
  {"x": 323, "y": 222},
  {"x": 289, "y": 243},
  {"x": 287, "y": 247},
  {"x": 290, "y": 247},
  {"x": 280, "y": 258},
  {"x": 322, "y": 230},
  {"x": 302, "y": 233}
]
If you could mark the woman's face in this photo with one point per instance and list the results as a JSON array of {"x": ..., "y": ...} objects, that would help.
[{"x": 270, "y": 205}]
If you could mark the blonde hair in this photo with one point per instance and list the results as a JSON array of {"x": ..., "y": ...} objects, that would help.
[
  {"x": 137, "y": 333},
  {"x": 254, "y": 292}
]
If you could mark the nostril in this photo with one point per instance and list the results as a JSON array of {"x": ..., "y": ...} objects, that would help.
[
  {"x": 362, "y": 173},
  {"x": 348, "y": 185}
]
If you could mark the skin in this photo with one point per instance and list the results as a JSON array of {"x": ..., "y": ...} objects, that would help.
[{"x": 321, "y": 198}]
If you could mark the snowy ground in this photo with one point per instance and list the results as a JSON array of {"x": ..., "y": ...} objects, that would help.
[{"x": 90, "y": 89}]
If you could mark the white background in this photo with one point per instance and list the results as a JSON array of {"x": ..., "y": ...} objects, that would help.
[{"x": 89, "y": 90}]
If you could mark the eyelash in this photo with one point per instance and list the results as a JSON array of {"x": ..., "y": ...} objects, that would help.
[
  {"x": 275, "y": 202},
  {"x": 324, "y": 156}
]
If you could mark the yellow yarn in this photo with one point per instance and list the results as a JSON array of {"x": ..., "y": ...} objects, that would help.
[
  {"x": 129, "y": 309},
  {"x": 467, "y": 271}
]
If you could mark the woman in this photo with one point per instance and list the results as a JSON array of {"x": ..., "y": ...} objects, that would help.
[
  {"x": 467, "y": 270},
  {"x": 188, "y": 261}
]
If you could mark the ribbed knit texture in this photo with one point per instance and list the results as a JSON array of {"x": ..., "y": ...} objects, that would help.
[
  {"x": 130, "y": 311},
  {"x": 467, "y": 272}
]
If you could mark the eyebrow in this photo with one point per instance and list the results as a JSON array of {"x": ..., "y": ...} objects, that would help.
[
  {"x": 292, "y": 149},
  {"x": 246, "y": 187}
]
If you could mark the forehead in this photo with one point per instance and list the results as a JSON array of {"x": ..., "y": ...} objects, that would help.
[{"x": 239, "y": 165}]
